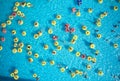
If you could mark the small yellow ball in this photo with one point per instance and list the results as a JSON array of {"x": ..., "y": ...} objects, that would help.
[
  {"x": 11, "y": 17},
  {"x": 36, "y": 55},
  {"x": 52, "y": 62},
  {"x": 89, "y": 58},
  {"x": 75, "y": 37},
  {"x": 13, "y": 32},
  {"x": 16, "y": 77},
  {"x": 115, "y": 8},
  {"x": 115, "y": 45},
  {"x": 16, "y": 71},
  {"x": 59, "y": 47},
  {"x": 43, "y": 63},
  {"x": 87, "y": 32},
  {"x": 34, "y": 75},
  {"x": 92, "y": 46},
  {"x": 62, "y": 69},
  {"x": 29, "y": 53},
  {"x": 70, "y": 49},
  {"x": 58, "y": 17},
  {"x": 78, "y": 13},
  {"x": 1, "y": 48},
  {"x": 3, "y": 25},
  {"x": 19, "y": 13},
  {"x": 81, "y": 72},
  {"x": 56, "y": 43},
  {"x": 100, "y": 1},
  {"x": 100, "y": 73},
  {"x": 99, "y": 36},
  {"x": 30, "y": 60},
  {"x": 36, "y": 24},
  {"x": 84, "y": 27},
  {"x": 29, "y": 47},
  {"x": 12, "y": 74},
  {"x": 17, "y": 4},
  {"x": 53, "y": 22},
  {"x": 19, "y": 50},
  {"x": 93, "y": 60},
  {"x": 14, "y": 50},
  {"x": 73, "y": 41},
  {"x": 36, "y": 36},
  {"x": 88, "y": 66},
  {"x": 15, "y": 8},
  {"x": 20, "y": 22},
  {"x": 73, "y": 74},
  {"x": 50, "y": 31},
  {"x": 90, "y": 10},
  {"x": 46, "y": 46},
  {"x": 77, "y": 54},
  {"x": 29, "y": 5},
  {"x": 97, "y": 52},
  {"x": 77, "y": 72},
  {"x": 21, "y": 44},
  {"x": 40, "y": 33},
  {"x": 16, "y": 39},
  {"x": 23, "y": 33},
  {"x": 8, "y": 22}
]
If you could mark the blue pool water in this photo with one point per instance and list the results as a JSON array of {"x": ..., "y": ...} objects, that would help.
[{"x": 44, "y": 11}]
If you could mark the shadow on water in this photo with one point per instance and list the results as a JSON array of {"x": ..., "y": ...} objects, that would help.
[{"x": 2, "y": 78}]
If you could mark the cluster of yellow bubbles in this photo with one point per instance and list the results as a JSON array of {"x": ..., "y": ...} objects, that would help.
[{"x": 14, "y": 74}]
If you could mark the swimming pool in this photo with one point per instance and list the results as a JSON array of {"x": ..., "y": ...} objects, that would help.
[{"x": 84, "y": 50}]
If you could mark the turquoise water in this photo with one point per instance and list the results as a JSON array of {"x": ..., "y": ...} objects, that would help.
[{"x": 44, "y": 12}]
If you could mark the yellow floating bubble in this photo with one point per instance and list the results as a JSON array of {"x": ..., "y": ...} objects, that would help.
[
  {"x": 24, "y": 33},
  {"x": 73, "y": 74},
  {"x": 16, "y": 71},
  {"x": 13, "y": 32},
  {"x": 20, "y": 22},
  {"x": 115, "y": 8},
  {"x": 77, "y": 72},
  {"x": 70, "y": 49},
  {"x": 102, "y": 16},
  {"x": 58, "y": 17},
  {"x": 73, "y": 41},
  {"x": 36, "y": 55},
  {"x": 43, "y": 63},
  {"x": 14, "y": 50},
  {"x": 87, "y": 32},
  {"x": 59, "y": 47},
  {"x": 15, "y": 8},
  {"x": 36, "y": 24},
  {"x": 15, "y": 45},
  {"x": 46, "y": 46},
  {"x": 92, "y": 46},
  {"x": 52, "y": 62},
  {"x": 100, "y": 1},
  {"x": 19, "y": 13},
  {"x": 29, "y": 53},
  {"x": 11, "y": 17},
  {"x": 97, "y": 52},
  {"x": 21, "y": 44},
  {"x": 105, "y": 14},
  {"x": 22, "y": 15},
  {"x": 29, "y": 47},
  {"x": 84, "y": 27},
  {"x": 89, "y": 58},
  {"x": 77, "y": 54},
  {"x": 88, "y": 66},
  {"x": 16, "y": 39},
  {"x": 8, "y": 22},
  {"x": 78, "y": 13},
  {"x": 56, "y": 43},
  {"x": 3, "y": 25},
  {"x": 99, "y": 36},
  {"x": 81, "y": 73},
  {"x": 53, "y": 22},
  {"x": 29, "y": 5},
  {"x": 115, "y": 45},
  {"x": 17, "y": 4},
  {"x": 100, "y": 73},
  {"x": 50, "y": 31},
  {"x": 19, "y": 50},
  {"x": 16, "y": 77},
  {"x": 62, "y": 69},
  {"x": 40, "y": 33},
  {"x": 36, "y": 36},
  {"x": 75, "y": 37},
  {"x": 30, "y": 60},
  {"x": 23, "y": 4},
  {"x": 12, "y": 74},
  {"x": 90, "y": 10},
  {"x": 1, "y": 48},
  {"x": 93, "y": 60},
  {"x": 34, "y": 75}
]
